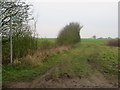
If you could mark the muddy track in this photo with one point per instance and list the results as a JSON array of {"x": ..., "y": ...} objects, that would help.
[{"x": 96, "y": 80}]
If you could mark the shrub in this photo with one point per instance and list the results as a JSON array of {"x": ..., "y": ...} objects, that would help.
[
  {"x": 69, "y": 34},
  {"x": 21, "y": 47},
  {"x": 45, "y": 44}
]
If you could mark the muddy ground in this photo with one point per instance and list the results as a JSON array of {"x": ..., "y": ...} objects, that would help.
[{"x": 96, "y": 80}]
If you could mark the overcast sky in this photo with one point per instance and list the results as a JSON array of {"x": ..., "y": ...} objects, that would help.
[{"x": 97, "y": 18}]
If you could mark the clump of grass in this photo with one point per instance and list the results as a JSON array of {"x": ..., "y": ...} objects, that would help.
[{"x": 69, "y": 34}]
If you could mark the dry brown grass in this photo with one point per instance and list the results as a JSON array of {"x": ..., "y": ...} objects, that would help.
[{"x": 40, "y": 55}]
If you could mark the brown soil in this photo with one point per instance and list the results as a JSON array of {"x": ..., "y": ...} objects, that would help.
[{"x": 96, "y": 80}]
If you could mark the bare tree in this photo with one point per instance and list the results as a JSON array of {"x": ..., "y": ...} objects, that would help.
[
  {"x": 18, "y": 11},
  {"x": 14, "y": 18}
]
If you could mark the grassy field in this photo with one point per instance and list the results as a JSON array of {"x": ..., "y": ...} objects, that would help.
[{"x": 87, "y": 56}]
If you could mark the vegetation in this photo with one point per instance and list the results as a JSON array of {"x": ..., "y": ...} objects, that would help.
[
  {"x": 64, "y": 55},
  {"x": 46, "y": 44},
  {"x": 69, "y": 34},
  {"x": 14, "y": 17},
  {"x": 89, "y": 55},
  {"x": 115, "y": 42}
]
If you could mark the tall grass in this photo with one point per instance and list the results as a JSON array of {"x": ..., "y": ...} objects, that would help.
[{"x": 69, "y": 34}]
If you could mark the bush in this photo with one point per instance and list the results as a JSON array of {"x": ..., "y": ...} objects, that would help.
[
  {"x": 45, "y": 44},
  {"x": 21, "y": 47},
  {"x": 69, "y": 34}
]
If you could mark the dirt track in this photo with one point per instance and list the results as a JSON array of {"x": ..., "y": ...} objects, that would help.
[{"x": 96, "y": 80}]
